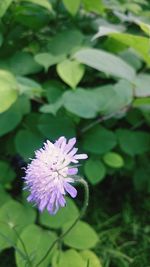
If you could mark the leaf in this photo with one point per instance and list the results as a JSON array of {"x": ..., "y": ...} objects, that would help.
[
  {"x": 26, "y": 142},
  {"x": 47, "y": 59},
  {"x": 8, "y": 90},
  {"x": 41, "y": 241},
  {"x": 12, "y": 117},
  {"x": 23, "y": 63},
  {"x": 82, "y": 236},
  {"x": 1, "y": 39},
  {"x": 133, "y": 143},
  {"x": 96, "y": 6},
  {"x": 29, "y": 87},
  {"x": 4, "y": 5},
  {"x": 65, "y": 42},
  {"x": 68, "y": 213},
  {"x": 43, "y": 3},
  {"x": 144, "y": 26},
  {"x": 71, "y": 72},
  {"x": 73, "y": 102},
  {"x": 99, "y": 140},
  {"x": 91, "y": 257},
  {"x": 142, "y": 88},
  {"x": 53, "y": 91},
  {"x": 13, "y": 214},
  {"x": 94, "y": 170},
  {"x": 4, "y": 196},
  {"x": 113, "y": 160},
  {"x": 69, "y": 258},
  {"x": 7, "y": 174},
  {"x": 52, "y": 127},
  {"x": 72, "y": 6},
  {"x": 138, "y": 43},
  {"x": 105, "y": 62},
  {"x": 52, "y": 108}
]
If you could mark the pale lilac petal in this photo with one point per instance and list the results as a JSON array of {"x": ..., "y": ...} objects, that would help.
[
  {"x": 70, "y": 145},
  {"x": 72, "y": 152},
  {"x": 71, "y": 190},
  {"x": 59, "y": 142},
  {"x": 81, "y": 156},
  {"x": 72, "y": 171}
]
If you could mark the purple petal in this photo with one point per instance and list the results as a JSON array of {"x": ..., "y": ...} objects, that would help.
[
  {"x": 81, "y": 156},
  {"x": 71, "y": 190},
  {"x": 73, "y": 152},
  {"x": 70, "y": 145},
  {"x": 59, "y": 142},
  {"x": 72, "y": 171}
]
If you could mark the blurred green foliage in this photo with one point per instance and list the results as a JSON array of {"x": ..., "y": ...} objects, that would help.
[{"x": 77, "y": 68}]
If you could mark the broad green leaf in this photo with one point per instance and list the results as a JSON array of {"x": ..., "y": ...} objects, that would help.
[
  {"x": 29, "y": 87},
  {"x": 94, "y": 170},
  {"x": 37, "y": 242},
  {"x": 113, "y": 160},
  {"x": 8, "y": 90},
  {"x": 52, "y": 108},
  {"x": 133, "y": 143},
  {"x": 7, "y": 174},
  {"x": 73, "y": 102},
  {"x": 91, "y": 258},
  {"x": 4, "y": 4},
  {"x": 47, "y": 59},
  {"x": 144, "y": 26},
  {"x": 13, "y": 214},
  {"x": 141, "y": 179},
  {"x": 65, "y": 42},
  {"x": 105, "y": 62},
  {"x": 53, "y": 91},
  {"x": 95, "y": 6},
  {"x": 23, "y": 63},
  {"x": 4, "y": 196},
  {"x": 69, "y": 258},
  {"x": 138, "y": 43},
  {"x": 99, "y": 140},
  {"x": 71, "y": 72},
  {"x": 12, "y": 117},
  {"x": 82, "y": 236},
  {"x": 131, "y": 58},
  {"x": 26, "y": 142},
  {"x": 64, "y": 215},
  {"x": 142, "y": 85},
  {"x": 43, "y": 3},
  {"x": 72, "y": 6},
  {"x": 52, "y": 127}
]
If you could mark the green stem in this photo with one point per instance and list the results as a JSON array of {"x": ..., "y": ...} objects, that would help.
[{"x": 82, "y": 212}]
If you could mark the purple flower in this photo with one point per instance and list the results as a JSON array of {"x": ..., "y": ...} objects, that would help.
[{"x": 49, "y": 176}]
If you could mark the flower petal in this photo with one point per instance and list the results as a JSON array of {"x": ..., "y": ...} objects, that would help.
[{"x": 71, "y": 190}]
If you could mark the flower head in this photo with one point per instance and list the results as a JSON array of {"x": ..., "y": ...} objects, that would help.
[{"x": 49, "y": 176}]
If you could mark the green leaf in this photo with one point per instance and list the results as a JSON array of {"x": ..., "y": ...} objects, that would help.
[
  {"x": 12, "y": 117},
  {"x": 4, "y": 196},
  {"x": 94, "y": 170},
  {"x": 26, "y": 142},
  {"x": 69, "y": 258},
  {"x": 71, "y": 72},
  {"x": 23, "y": 63},
  {"x": 52, "y": 108},
  {"x": 139, "y": 43},
  {"x": 7, "y": 174},
  {"x": 37, "y": 242},
  {"x": 113, "y": 160},
  {"x": 144, "y": 26},
  {"x": 99, "y": 140},
  {"x": 142, "y": 88},
  {"x": 72, "y": 6},
  {"x": 65, "y": 42},
  {"x": 53, "y": 91},
  {"x": 91, "y": 258},
  {"x": 4, "y": 5},
  {"x": 133, "y": 143},
  {"x": 43, "y": 3},
  {"x": 47, "y": 59},
  {"x": 82, "y": 236},
  {"x": 13, "y": 214},
  {"x": 96, "y": 6},
  {"x": 105, "y": 62},
  {"x": 52, "y": 127},
  {"x": 64, "y": 215},
  {"x": 1, "y": 39},
  {"x": 8, "y": 90},
  {"x": 29, "y": 87},
  {"x": 73, "y": 102}
]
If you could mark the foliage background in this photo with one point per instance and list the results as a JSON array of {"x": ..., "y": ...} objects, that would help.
[{"x": 77, "y": 68}]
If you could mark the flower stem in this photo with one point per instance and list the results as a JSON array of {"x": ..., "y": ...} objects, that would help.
[{"x": 82, "y": 212}]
